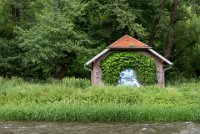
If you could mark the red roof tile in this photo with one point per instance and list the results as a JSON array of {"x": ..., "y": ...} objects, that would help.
[{"x": 128, "y": 42}]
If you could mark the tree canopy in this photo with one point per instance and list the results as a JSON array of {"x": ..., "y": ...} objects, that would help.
[{"x": 41, "y": 38}]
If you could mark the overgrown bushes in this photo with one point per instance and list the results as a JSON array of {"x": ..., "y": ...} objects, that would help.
[
  {"x": 115, "y": 63},
  {"x": 60, "y": 101}
]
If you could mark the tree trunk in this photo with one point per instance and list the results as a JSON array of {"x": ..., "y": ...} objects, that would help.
[
  {"x": 169, "y": 41},
  {"x": 109, "y": 40},
  {"x": 157, "y": 21},
  {"x": 15, "y": 13}
]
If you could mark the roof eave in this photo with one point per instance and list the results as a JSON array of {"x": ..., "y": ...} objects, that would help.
[
  {"x": 161, "y": 57},
  {"x": 97, "y": 56},
  {"x": 108, "y": 49}
]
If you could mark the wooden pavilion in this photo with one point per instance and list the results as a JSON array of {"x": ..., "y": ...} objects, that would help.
[{"x": 127, "y": 43}]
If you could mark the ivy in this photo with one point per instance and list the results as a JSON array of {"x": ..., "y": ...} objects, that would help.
[{"x": 116, "y": 62}]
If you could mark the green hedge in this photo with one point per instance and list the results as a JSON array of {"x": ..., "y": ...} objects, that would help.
[{"x": 118, "y": 61}]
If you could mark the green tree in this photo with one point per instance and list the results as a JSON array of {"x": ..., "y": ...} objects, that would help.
[
  {"x": 13, "y": 13},
  {"x": 42, "y": 38},
  {"x": 106, "y": 21},
  {"x": 52, "y": 45}
]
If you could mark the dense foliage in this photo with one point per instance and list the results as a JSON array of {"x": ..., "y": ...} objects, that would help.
[
  {"x": 116, "y": 62},
  {"x": 41, "y": 38},
  {"x": 56, "y": 101}
]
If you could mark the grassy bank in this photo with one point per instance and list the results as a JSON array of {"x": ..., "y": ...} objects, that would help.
[{"x": 75, "y": 100}]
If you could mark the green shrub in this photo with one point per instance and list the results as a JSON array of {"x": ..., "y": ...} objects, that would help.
[
  {"x": 76, "y": 82},
  {"x": 116, "y": 62}
]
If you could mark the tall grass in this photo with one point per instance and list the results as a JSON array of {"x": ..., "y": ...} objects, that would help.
[
  {"x": 101, "y": 113},
  {"x": 75, "y": 100}
]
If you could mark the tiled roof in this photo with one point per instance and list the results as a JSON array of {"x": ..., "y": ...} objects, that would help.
[{"x": 128, "y": 42}]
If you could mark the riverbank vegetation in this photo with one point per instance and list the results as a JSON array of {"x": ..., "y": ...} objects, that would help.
[
  {"x": 54, "y": 38},
  {"x": 43, "y": 40},
  {"x": 75, "y": 100}
]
